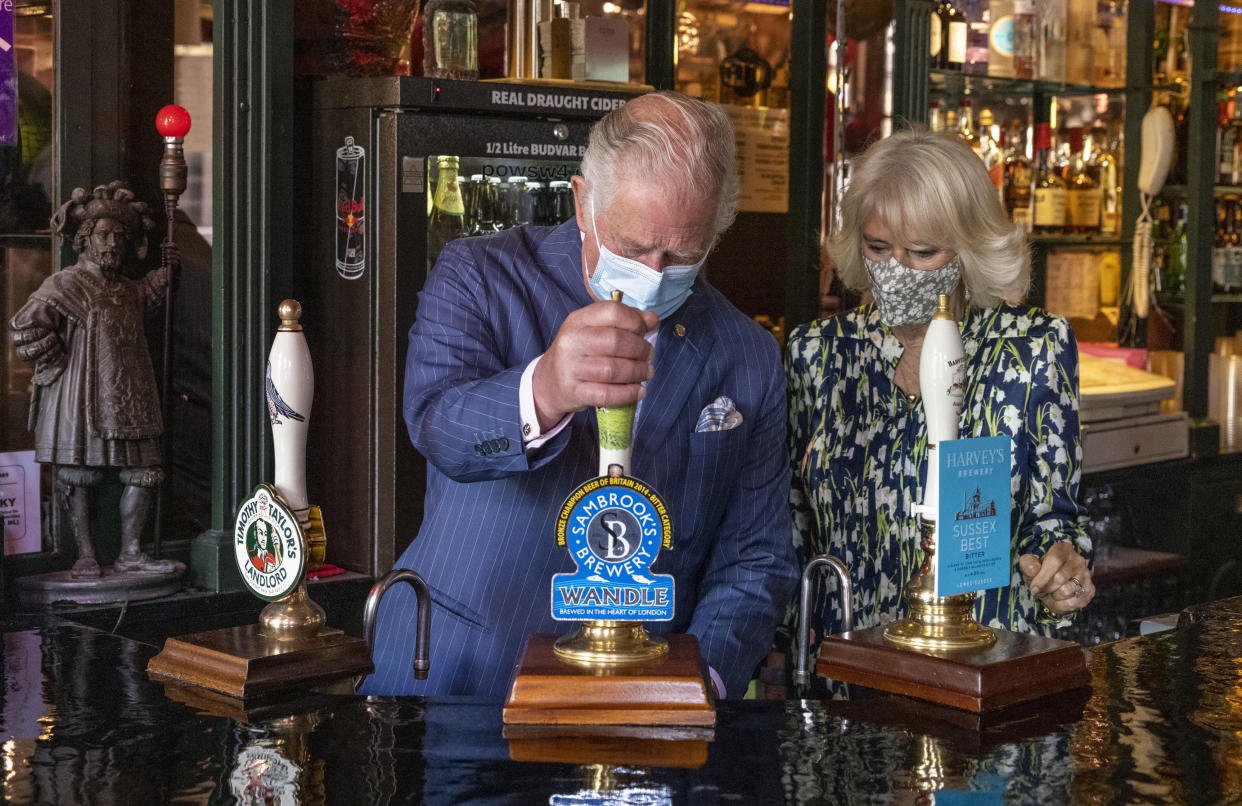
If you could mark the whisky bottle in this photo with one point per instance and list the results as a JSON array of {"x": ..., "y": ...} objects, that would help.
[
  {"x": 1082, "y": 191},
  {"x": 1017, "y": 181},
  {"x": 990, "y": 151},
  {"x": 1049, "y": 195}
]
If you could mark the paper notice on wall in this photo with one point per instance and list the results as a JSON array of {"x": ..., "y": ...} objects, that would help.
[
  {"x": 19, "y": 502},
  {"x": 762, "y": 137},
  {"x": 1073, "y": 284}
]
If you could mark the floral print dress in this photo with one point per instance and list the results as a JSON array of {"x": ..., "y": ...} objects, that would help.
[{"x": 858, "y": 449}]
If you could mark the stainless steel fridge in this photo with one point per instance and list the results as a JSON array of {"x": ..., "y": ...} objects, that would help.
[{"x": 370, "y": 159}]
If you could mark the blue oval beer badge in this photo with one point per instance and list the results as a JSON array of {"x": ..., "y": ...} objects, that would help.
[
  {"x": 614, "y": 527},
  {"x": 267, "y": 543}
]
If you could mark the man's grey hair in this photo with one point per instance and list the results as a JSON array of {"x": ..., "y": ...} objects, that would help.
[{"x": 678, "y": 142}]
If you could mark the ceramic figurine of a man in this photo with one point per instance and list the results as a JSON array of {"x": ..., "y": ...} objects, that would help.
[{"x": 94, "y": 405}]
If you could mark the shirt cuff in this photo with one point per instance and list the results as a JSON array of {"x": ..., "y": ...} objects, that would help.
[
  {"x": 720, "y": 689},
  {"x": 532, "y": 436}
]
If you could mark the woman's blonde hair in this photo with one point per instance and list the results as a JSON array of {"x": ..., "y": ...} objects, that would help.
[{"x": 931, "y": 190}]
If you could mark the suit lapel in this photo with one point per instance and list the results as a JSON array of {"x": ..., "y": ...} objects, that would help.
[
  {"x": 560, "y": 256},
  {"x": 681, "y": 353}
]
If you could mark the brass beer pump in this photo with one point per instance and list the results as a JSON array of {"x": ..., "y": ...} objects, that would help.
[
  {"x": 610, "y": 673},
  {"x": 612, "y": 642},
  {"x": 938, "y": 623},
  {"x": 940, "y": 653}
]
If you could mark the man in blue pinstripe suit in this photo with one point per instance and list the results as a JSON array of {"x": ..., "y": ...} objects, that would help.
[{"x": 516, "y": 341}]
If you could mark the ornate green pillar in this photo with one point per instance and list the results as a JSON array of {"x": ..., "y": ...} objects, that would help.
[{"x": 252, "y": 178}]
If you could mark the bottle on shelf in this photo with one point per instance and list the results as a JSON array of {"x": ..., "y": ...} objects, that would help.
[
  {"x": 469, "y": 189},
  {"x": 451, "y": 39},
  {"x": 1105, "y": 165},
  {"x": 1109, "y": 44},
  {"x": 1059, "y": 150},
  {"x": 937, "y": 36},
  {"x": 1079, "y": 27},
  {"x": 966, "y": 125},
  {"x": 953, "y": 31},
  {"x": 1017, "y": 178},
  {"x": 1109, "y": 269},
  {"x": 1161, "y": 228},
  {"x": 1082, "y": 191},
  {"x": 1220, "y": 217},
  {"x": 1049, "y": 193},
  {"x": 1233, "y": 244},
  {"x": 977, "y": 16},
  {"x": 483, "y": 213},
  {"x": 1024, "y": 38},
  {"x": 934, "y": 121},
  {"x": 1231, "y": 146},
  {"x": 448, "y": 211},
  {"x": 1000, "y": 38},
  {"x": 538, "y": 200},
  {"x": 1050, "y": 40},
  {"x": 950, "y": 120},
  {"x": 517, "y": 203},
  {"x": 1176, "y": 263},
  {"x": 990, "y": 151}
]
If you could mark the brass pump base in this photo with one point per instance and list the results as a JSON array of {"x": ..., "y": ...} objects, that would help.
[
  {"x": 604, "y": 643},
  {"x": 937, "y": 623},
  {"x": 296, "y": 617},
  {"x": 941, "y": 624}
]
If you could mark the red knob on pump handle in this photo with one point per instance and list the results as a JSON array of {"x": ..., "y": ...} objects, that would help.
[{"x": 172, "y": 121}]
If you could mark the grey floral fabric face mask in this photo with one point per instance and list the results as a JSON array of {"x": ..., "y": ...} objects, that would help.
[{"x": 907, "y": 296}]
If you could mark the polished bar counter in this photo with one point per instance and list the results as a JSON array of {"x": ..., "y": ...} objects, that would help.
[{"x": 82, "y": 723}]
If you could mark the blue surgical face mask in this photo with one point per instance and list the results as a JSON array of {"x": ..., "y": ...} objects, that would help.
[{"x": 641, "y": 287}]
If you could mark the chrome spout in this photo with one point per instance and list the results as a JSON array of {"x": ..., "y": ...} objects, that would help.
[
  {"x": 422, "y": 643},
  {"x": 802, "y": 675}
]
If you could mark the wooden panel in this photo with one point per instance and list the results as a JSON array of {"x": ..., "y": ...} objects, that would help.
[
  {"x": 668, "y": 691},
  {"x": 241, "y": 663},
  {"x": 1017, "y": 668},
  {"x": 612, "y": 745}
]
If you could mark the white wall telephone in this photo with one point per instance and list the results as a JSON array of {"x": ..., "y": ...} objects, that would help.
[{"x": 1158, "y": 144}]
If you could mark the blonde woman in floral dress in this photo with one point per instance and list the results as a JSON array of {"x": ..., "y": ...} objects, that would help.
[{"x": 919, "y": 218}]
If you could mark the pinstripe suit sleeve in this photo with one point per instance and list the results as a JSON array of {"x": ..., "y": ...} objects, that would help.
[
  {"x": 750, "y": 573},
  {"x": 461, "y": 402}
]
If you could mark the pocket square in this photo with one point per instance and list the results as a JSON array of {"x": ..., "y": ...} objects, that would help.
[{"x": 719, "y": 415}]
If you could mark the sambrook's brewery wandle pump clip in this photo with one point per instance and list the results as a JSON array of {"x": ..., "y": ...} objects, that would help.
[{"x": 611, "y": 671}]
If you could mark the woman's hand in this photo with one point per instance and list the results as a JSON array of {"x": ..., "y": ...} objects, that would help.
[{"x": 1061, "y": 580}]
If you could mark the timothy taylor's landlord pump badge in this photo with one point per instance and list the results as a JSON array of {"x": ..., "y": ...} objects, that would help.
[
  {"x": 267, "y": 542},
  {"x": 614, "y": 527}
]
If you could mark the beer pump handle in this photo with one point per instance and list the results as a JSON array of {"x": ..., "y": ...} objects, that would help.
[
  {"x": 616, "y": 432},
  {"x": 290, "y": 391},
  {"x": 942, "y": 383}
]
